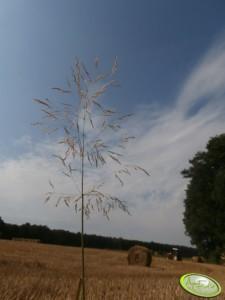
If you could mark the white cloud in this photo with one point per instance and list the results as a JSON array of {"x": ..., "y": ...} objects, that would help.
[{"x": 166, "y": 140}]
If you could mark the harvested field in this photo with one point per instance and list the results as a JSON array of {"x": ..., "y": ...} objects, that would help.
[{"x": 32, "y": 271}]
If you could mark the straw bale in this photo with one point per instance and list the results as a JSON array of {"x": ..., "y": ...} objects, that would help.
[
  {"x": 139, "y": 255},
  {"x": 197, "y": 259}
]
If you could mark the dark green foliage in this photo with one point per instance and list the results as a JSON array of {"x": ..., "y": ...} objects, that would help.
[
  {"x": 66, "y": 238},
  {"x": 2, "y": 225},
  {"x": 204, "y": 216}
]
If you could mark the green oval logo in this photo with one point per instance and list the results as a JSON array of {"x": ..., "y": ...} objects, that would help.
[{"x": 200, "y": 285}]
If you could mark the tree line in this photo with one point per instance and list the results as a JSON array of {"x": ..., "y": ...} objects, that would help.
[{"x": 67, "y": 238}]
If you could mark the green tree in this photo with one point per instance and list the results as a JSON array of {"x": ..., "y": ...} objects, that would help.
[
  {"x": 93, "y": 135},
  {"x": 2, "y": 225},
  {"x": 204, "y": 216}
]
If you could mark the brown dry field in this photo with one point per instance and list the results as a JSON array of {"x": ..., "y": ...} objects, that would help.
[{"x": 30, "y": 271}]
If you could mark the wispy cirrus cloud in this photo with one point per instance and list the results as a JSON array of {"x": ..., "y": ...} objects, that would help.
[{"x": 166, "y": 139}]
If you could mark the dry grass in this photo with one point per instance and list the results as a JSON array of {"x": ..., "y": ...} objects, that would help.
[{"x": 40, "y": 272}]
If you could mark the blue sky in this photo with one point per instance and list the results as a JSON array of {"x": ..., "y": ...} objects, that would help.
[{"x": 171, "y": 59}]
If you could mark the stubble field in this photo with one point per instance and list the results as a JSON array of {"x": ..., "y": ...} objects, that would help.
[{"x": 30, "y": 271}]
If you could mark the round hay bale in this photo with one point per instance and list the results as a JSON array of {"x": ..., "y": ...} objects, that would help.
[
  {"x": 197, "y": 259},
  {"x": 139, "y": 255}
]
